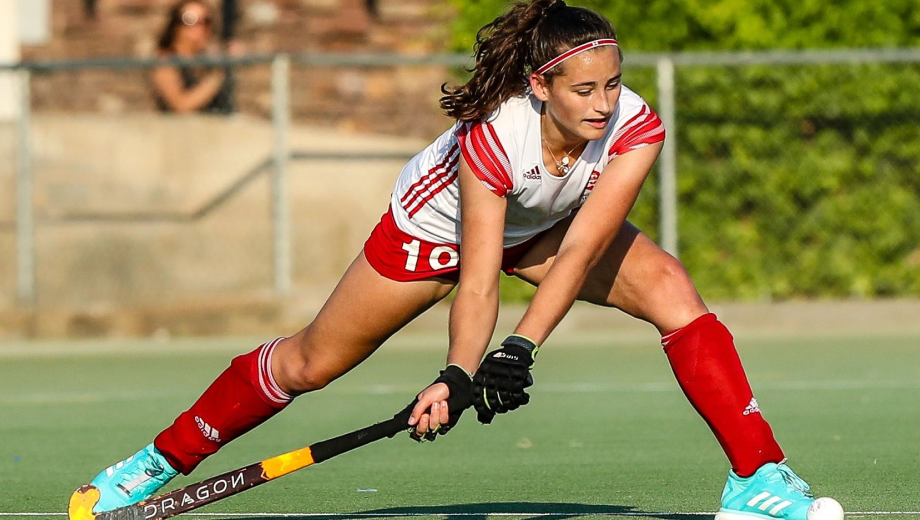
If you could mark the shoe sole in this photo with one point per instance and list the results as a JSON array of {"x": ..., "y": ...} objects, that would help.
[{"x": 739, "y": 515}]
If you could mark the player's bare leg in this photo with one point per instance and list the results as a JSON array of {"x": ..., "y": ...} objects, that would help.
[
  {"x": 638, "y": 277},
  {"x": 363, "y": 311},
  {"x": 634, "y": 275}
]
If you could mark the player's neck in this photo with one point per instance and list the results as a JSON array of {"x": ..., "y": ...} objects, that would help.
[
  {"x": 186, "y": 49},
  {"x": 561, "y": 145},
  {"x": 557, "y": 138}
]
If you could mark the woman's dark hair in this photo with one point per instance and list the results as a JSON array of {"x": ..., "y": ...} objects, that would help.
[
  {"x": 168, "y": 35},
  {"x": 526, "y": 36}
]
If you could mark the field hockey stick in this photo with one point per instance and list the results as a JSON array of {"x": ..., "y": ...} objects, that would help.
[{"x": 230, "y": 483}]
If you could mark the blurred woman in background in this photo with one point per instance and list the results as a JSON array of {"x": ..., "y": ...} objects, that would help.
[{"x": 189, "y": 33}]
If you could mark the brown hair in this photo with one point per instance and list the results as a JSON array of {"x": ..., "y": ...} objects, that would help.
[
  {"x": 168, "y": 35},
  {"x": 526, "y": 36}
]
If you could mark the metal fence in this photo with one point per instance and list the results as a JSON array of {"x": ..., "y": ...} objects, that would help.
[{"x": 687, "y": 89}]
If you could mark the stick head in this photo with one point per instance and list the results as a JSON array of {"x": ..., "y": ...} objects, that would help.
[{"x": 82, "y": 502}]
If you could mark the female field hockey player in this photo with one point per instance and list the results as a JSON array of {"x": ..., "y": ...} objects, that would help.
[{"x": 535, "y": 179}]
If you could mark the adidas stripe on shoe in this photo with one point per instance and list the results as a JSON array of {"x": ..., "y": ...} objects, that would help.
[
  {"x": 773, "y": 492},
  {"x": 132, "y": 480}
]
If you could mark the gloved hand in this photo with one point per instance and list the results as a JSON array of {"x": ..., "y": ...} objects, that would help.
[
  {"x": 498, "y": 386},
  {"x": 458, "y": 385}
]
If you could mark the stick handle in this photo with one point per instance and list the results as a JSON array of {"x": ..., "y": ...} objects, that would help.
[
  {"x": 325, "y": 450},
  {"x": 222, "y": 486}
]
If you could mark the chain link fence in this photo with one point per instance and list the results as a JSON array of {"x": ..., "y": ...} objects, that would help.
[{"x": 786, "y": 175}]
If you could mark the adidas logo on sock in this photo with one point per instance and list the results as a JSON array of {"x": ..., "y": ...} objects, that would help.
[
  {"x": 209, "y": 432},
  {"x": 753, "y": 407}
]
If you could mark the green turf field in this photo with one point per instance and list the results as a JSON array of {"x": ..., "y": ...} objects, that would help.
[{"x": 607, "y": 433}]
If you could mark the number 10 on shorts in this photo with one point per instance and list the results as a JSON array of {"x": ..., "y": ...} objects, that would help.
[{"x": 440, "y": 257}]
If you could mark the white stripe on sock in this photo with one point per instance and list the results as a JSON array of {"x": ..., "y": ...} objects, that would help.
[
  {"x": 268, "y": 371},
  {"x": 265, "y": 373}
]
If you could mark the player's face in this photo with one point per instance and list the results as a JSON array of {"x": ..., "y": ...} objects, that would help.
[{"x": 581, "y": 100}]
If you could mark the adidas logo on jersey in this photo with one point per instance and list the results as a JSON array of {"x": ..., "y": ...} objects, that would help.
[
  {"x": 533, "y": 174},
  {"x": 753, "y": 407},
  {"x": 209, "y": 432}
]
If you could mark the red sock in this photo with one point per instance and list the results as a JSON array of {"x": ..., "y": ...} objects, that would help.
[
  {"x": 709, "y": 371},
  {"x": 241, "y": 398}
]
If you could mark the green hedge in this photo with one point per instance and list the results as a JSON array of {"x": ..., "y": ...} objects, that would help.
[
  {"x": 793, "y": 181},
  {"x": 801, "y": 181}
]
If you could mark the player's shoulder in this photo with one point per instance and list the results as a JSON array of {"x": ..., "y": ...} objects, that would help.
[
  {"x": 630, "y": 104},
  {"x": 635, "y": 125},
  {"x": 514, "y": 113},
  {"x": 631, "y": 108},
  {"x": 506, "y": 126}
]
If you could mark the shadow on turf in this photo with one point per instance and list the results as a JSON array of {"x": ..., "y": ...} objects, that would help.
[{"x": 481, "y": 511}]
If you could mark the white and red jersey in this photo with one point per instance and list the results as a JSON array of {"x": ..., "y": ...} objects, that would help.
[{"x": 505, "y": 151}]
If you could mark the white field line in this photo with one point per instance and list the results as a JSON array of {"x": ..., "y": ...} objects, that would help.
[
  {"x": 55, "y": 398},
  {"x": 443, "y": 514},
  {"x": 658, "y": 386},
  {"x": 134, "y": 348},
  {"x": 39, "y": 398},
  {"x": 644, "y": 338}
]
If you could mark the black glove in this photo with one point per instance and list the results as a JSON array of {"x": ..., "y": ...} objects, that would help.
[
  {"x": 498, "y": 386},
  {"x": 458, "y": 384}
]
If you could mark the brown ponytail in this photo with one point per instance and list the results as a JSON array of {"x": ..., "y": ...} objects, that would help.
[{"x": 507, "y": 49}]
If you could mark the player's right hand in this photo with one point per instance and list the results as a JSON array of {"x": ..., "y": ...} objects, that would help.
[{"x": 431, "y": 415}]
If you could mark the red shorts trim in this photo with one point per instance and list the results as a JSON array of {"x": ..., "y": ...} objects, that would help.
[{"x": 402, "y": 257}]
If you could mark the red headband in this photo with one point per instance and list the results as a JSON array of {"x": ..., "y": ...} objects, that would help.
[{"x": 573, "y": 51}]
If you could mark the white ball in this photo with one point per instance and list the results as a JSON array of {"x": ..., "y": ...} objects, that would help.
[{"x": 825, "y": 509}]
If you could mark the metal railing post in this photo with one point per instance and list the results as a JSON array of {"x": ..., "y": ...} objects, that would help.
[
  {"x": 25, "y": 243},
  {"x": 667, "y": 200},
  {"x": 281, "y": 115}
]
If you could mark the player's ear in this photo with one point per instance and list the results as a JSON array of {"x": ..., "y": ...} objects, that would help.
[{"x": 539, "y": 86}]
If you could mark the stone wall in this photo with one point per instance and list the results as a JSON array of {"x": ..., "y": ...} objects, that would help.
[
  {"x": 125, "y": 211},
  {"x": 400, "y": 100}
]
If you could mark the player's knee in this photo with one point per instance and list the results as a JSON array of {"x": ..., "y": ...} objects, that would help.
[
  {"x": 673, "y": 283},
  {"x": 298, "y": 370},
  {"x": 672, "y": 272},
  {"x": 309, "y": 378}
]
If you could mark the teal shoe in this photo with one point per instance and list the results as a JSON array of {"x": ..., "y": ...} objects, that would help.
[
  {"x": 132, "y": 480},
  {"x": 773, "y": 492}
]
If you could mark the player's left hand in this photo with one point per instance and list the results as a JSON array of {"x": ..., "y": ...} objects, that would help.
[
  {"x": 431, "y": 416},
  {"x": 498, "y": 386}
]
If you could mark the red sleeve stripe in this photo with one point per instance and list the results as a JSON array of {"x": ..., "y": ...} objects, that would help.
[
  {"x": 495, "y": 144},
  {"x": 437, "y": 182},
  {"x": 484, "y": 153},
  {"x": 642, "y": 130},
  {"x": 449, "y": 160},
  {"x": 632, "y": 123}
]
